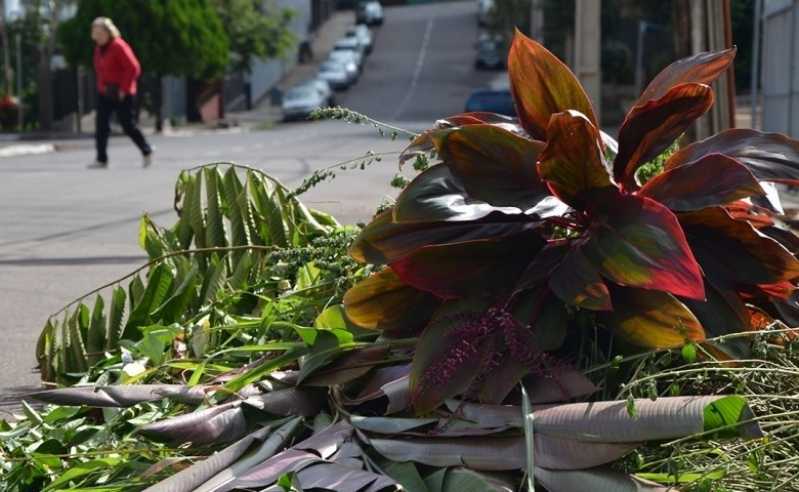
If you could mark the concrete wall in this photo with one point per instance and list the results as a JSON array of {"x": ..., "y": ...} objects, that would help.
[
  {"x": 780, "y": 69},
  {"x": 265, "y": 74}
]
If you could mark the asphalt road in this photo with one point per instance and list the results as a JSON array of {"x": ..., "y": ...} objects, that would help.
[{"x": 65, "y": 229}]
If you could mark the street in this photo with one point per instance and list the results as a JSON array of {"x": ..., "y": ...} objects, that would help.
[{"x": 65, "y": 229}]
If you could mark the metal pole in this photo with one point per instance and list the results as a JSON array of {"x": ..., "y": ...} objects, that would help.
[
  {"x": 20, "y": 115},
  {"x": 755, "y": 60}
]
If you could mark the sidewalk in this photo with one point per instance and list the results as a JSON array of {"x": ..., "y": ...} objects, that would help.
[{"x": 262, "y": 115}]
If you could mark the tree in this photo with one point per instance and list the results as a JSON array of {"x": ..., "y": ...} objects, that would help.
[
  {"x": 254, "y": 31},
  {"x": 170, "y": 37}
]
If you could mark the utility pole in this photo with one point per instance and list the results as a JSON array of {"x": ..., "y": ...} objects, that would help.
[
  {"x": 6, "y": 52},
  {"x": 587, "y": 48}
]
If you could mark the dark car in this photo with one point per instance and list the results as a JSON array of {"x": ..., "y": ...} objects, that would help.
[
  {"x": 491, "y": 100},
  {"x": 490, "y": 54}
]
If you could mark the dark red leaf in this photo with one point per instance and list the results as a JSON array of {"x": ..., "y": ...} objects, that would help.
[
  {"x": 542, "y": 85},
  {"x": 576, "y": 281},
  {"x": 733, "y": 253},
  {"x": 652, "y": 126},
  {"x": 494, "y": 165},
  {"x": 712, "y": 180},
  {"x": 770, "y": 156},
  {"x": 572, "y": 161},
  {"x": 635, "y": 241},
  {"x": 462, "y": 269},
  {"x": 701, "y": 68}
]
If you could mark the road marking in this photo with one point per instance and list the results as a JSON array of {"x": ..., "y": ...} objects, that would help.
[{"x": 417, "y": 71}]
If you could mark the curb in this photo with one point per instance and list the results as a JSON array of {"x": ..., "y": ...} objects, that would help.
[{"x": 26, "y": 149}]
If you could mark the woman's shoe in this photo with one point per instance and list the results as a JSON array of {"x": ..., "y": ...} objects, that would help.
[
  {"x": 147, "y": 160},
  {"x": 98, "y": 165}
]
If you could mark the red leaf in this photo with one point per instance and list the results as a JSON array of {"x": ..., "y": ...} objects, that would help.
[
  {"x": 770, "y": 156},
  {"x": 572, "y": 162},
  {"x": 383, "y": 241},
  {"x": 651, "y": 127},
  {"x": 542, "y": 85},
  {"x": 701, "y": 68},
  {"x": 638, "y": 242},
  {"x": 713, "y": 180}
]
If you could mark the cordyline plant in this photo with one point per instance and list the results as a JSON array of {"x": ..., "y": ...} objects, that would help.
[
  {"x": 528, "y": 229},
  {"x": 531, "y": 252}
]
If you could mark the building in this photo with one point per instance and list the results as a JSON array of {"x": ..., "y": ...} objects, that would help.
[{"x": 780, "y": 67}]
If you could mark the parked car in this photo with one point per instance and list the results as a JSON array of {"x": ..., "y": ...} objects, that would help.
[
  {"x": 336, "y": 75},
  {"x": 484, "y": 8},
  {"x": 490, "y": 54},
  {"x": 364, "y": 36},
  {"x": 369, "y": 13},
  {"x": 346, "y": 58},
  {"x": 300, "y": 101},
  {"x": 353, "y": 45},
  {"x": 491, "y": 100},
  {"x": 323, "y": 86}
]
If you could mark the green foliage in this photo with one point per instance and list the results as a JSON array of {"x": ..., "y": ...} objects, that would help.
[
  {"x": 170, "y": 37},
  {"x": 656, "y": 165},
  {"x": 254, "y": 31},
  {"x": 236, "y": 244}
]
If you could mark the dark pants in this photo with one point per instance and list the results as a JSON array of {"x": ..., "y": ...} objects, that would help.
[{"x": 124, "y": 111}]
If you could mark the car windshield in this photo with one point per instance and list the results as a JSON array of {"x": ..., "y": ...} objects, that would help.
[
  {"x": 346, "y": 44},
  {"x": 302, "y": 92}
]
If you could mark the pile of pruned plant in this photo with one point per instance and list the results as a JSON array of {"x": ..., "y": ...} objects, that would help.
[{"x": 541, "y": 307}]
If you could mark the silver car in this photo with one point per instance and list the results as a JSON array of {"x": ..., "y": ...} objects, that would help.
[
  {"x": 346, "y": 58},
  {"x": 299, "y": 102},
  {"x": 363, "y": 35},
  {"x": 335, "y": 74},
  {"x": 352, "y": 45},
  {"x": 324, "y": 89}
]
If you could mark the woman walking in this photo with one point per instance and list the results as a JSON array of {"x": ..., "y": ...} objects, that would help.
[{"x": 116, "y": 69}]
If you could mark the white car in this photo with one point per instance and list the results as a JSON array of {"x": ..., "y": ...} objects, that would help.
[
  {"x": 346, "y": 58},
  {"x": 353, "y": 45},
  {"x": 363, "y": 35},
  {"x": 299, "y": 102},
  {"x": 335, "y": 74},
  {"x": 369, "y": 13}
]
